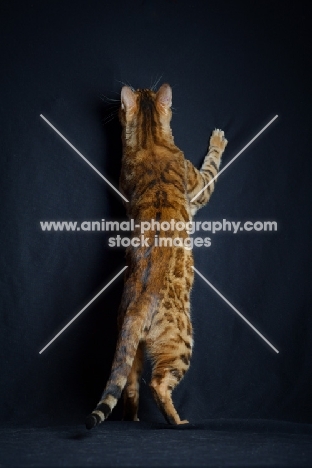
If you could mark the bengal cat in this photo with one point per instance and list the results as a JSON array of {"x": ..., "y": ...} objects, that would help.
[{"x": 154, "y": 314}]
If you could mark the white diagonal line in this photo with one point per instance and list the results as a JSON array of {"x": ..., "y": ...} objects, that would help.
[
  {"x": 82, "y": 310},
  {"x": 235, "y": 310},
  {"x": 85, "y": 159},
  {"x": 232, "y": 160}
]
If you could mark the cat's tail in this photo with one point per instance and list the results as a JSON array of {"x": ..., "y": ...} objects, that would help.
[{"x": 128, "y": 342}]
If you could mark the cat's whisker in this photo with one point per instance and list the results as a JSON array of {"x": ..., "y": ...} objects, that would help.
[
  {"x": 109, "y": 99},
  {"x": 110, "y": 117},
  {"x": 108, "y": 121},
  {"x": 126, "y": 84},
  {"x": 112, "y": 111}
]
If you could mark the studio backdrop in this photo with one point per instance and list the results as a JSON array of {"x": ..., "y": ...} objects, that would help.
[{"x": 239, "y": 66}]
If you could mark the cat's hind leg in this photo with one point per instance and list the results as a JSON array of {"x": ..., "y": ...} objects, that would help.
[
  {"x": 131, "y": 390},
  {"x": 167, "y": 373}
]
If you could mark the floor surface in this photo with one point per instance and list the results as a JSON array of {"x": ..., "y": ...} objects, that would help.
[{"x": 114, "y": 443}]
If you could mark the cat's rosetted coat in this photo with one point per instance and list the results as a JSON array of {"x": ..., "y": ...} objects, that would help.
[{"x": 154, "y": 313}]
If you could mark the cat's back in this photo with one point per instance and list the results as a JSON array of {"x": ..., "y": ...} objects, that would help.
[{"x": 154, "y": 180}]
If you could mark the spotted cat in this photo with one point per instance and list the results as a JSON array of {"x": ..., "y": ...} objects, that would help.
[{"x": 154, "y": 315}]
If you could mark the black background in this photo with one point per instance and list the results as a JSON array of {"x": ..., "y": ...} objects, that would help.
[{"x": 232, "y": 65}]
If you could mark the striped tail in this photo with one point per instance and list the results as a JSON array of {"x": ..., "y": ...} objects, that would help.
[{"x": 128, "y": 342}]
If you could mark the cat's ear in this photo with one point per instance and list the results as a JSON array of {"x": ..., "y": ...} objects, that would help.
[
  {"x": 128, "y": 99},
  {"x": 164, "y": 96}
]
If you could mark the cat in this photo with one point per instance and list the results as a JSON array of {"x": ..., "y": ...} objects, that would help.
[{"x": 154, "y": 314}]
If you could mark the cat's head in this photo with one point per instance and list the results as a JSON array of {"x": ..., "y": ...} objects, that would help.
[{"x": 146, "y": 110}]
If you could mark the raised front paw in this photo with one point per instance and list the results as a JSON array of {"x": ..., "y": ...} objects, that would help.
[{"x": 217, "y": 139}]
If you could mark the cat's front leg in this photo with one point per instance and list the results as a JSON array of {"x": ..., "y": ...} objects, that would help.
[{"x": 201, "y": 183}]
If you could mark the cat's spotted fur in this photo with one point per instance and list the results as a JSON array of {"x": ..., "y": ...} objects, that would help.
[{"x": 155, "y": 307}]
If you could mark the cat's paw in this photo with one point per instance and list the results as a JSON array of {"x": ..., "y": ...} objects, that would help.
[
  {"x": 185, "y": 421},
  {"x": 217, "y": 139}
]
